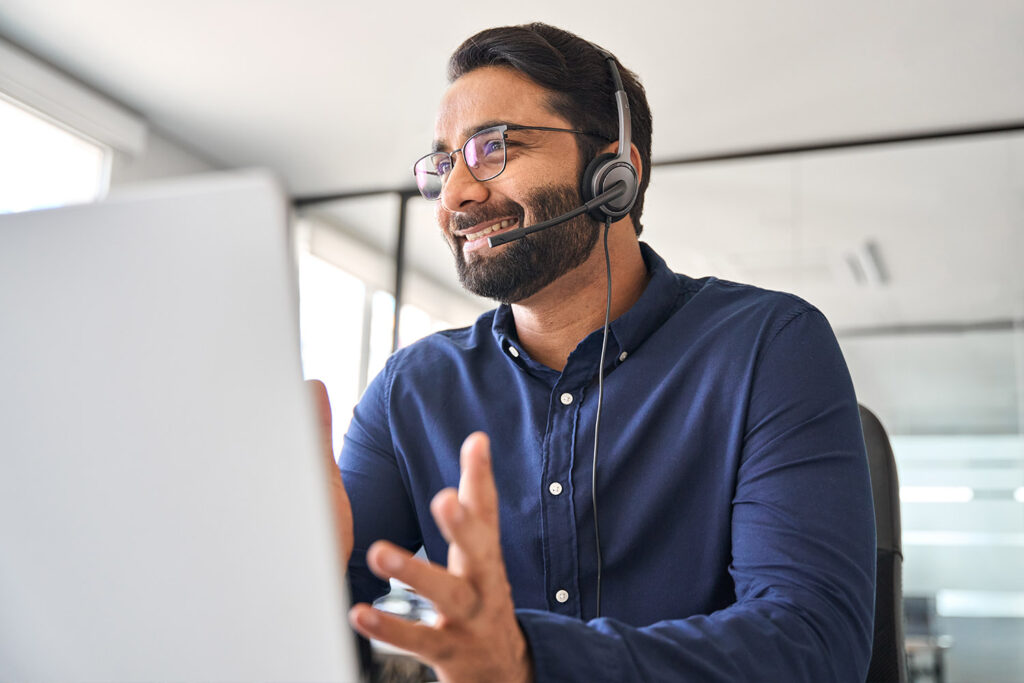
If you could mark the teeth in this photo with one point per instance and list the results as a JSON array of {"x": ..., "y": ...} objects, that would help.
[{"x": 488, "y": 230}]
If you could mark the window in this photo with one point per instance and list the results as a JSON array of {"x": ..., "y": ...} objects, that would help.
[
  {"x": 45, "y": 165},
  {"x": 331, "y": 331},
  {"x": 346, "y": 333}
]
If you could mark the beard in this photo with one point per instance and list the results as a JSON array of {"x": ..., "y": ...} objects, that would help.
[{"x": 530, "y": 264}]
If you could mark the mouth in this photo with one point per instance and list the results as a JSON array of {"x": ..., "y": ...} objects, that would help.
[{"x": 476, "y": 236}]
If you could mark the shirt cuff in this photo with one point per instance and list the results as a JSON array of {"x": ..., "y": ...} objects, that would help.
[{"x": 566, "y": 649}]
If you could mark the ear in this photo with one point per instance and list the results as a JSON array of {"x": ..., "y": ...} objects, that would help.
[{"x": 634, "y": 158}]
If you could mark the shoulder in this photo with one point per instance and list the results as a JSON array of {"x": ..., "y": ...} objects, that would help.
[
  {"x": 422, "y": 359},
  {"x": 741, "y": 297},
  {"x": 714, "y": 301}
]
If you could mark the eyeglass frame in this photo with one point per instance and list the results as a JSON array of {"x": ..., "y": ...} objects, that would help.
[{"x": 504, "y": 128}]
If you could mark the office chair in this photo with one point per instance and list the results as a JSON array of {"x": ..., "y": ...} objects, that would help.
[
  {"x": 926, "y": 647},
  {"x": 888, "y": 660}
]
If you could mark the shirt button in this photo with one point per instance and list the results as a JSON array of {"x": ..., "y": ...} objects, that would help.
[
  {"x": 562, "y": 596},
  {"x": 622, "y": 356},
  {"x": 555, "y": 488},
  {"x": 566, "y": 399},
  {"x": 513, "y": 351}
]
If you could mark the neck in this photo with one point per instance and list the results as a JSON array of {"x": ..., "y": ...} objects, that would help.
[{"x": 553, "y": 321}]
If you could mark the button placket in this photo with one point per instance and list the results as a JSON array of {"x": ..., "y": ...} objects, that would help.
[{"x": 562, "y": 579}]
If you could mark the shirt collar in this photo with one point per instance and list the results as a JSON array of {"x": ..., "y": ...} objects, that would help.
[
  {"x": 625, "y": 334},
  {"x": 653, "y": 308}
]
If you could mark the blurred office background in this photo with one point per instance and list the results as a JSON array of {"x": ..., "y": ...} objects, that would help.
[{"x": 866, "y": 156}]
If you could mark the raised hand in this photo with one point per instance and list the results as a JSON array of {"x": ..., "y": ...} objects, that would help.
[{"x": 476, "y": 637}]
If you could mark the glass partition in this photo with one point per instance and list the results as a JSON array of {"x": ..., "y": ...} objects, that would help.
[{"x": 914, "y": 252}]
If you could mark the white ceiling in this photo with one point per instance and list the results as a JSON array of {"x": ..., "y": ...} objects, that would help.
[{"x": 340, "y": 97}]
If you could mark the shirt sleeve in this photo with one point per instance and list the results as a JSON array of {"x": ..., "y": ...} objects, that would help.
[
  {"x": 803, "y": 546},
  {"x": 374, "y": 483}
]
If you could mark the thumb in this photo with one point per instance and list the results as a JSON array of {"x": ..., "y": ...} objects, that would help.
[
  {"x": 323, "y": 410},
  {"x": 339, "y": 497}
]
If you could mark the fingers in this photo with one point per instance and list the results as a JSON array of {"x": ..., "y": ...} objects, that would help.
[
  {"x": 468, "y": 519},
  {"x": 323, "y": 409},
  {"x": 477, "y": 540},
  {"x": 416, "y": 638},
  {"x": 476, "y": 486},
  {"x": 453, "y": 596},
  {"x": 471, "y": 639}
]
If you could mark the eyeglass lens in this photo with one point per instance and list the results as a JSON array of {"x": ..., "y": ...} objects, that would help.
[{"x": 484, "y": 154}]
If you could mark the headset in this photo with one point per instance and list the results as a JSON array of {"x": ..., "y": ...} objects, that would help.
[
  {"x": 610, "y": 183},
  {"x": 609, "y": 188},
  {"x": 607, "y": 170}
]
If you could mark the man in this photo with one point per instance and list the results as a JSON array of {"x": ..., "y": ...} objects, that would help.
[{"x": 732, "y": 496}]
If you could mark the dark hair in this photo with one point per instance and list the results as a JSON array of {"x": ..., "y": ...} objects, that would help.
[{"x": 579, "y": 80}]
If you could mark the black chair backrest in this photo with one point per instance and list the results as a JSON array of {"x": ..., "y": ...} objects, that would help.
[{"x": 888, "y": 660}]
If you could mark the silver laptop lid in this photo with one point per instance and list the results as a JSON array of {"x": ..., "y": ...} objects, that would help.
[{"x": 163, "y": 514}]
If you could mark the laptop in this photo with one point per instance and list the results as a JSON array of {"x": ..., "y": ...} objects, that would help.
[{"x": 163, "y": 508}]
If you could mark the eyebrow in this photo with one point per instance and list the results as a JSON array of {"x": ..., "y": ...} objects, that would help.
[{"x": 441, "y": 145}]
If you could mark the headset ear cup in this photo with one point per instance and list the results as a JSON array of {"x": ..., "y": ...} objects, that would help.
[
  {"x": 587, "y": 189},
  {"x": 588, "y": 186},
  {"x": 601, "y": 175}
]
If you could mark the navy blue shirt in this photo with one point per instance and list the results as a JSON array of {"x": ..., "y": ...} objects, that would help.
[{"x": 734, "y": 500}]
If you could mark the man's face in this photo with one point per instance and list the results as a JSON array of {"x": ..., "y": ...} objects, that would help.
[{"x": 540, "y": 181}]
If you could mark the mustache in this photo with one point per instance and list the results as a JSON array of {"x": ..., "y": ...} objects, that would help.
[{"x": 464, "y": 221}]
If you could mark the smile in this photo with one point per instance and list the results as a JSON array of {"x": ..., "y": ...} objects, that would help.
[{"x": 476, "y": 233}]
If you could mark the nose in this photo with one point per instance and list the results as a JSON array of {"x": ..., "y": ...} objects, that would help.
[{"x": 461, "y": 188}]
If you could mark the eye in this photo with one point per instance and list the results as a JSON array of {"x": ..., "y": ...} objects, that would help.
[
  {"x": 492, "y": 147},
  {"x": 444, "y": 166}
]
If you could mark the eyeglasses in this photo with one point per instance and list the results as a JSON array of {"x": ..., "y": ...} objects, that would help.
[{"x": 484, "y": 153}]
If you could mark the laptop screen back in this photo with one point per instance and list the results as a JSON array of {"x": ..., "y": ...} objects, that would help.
[{"x": 163, "y": 511}]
